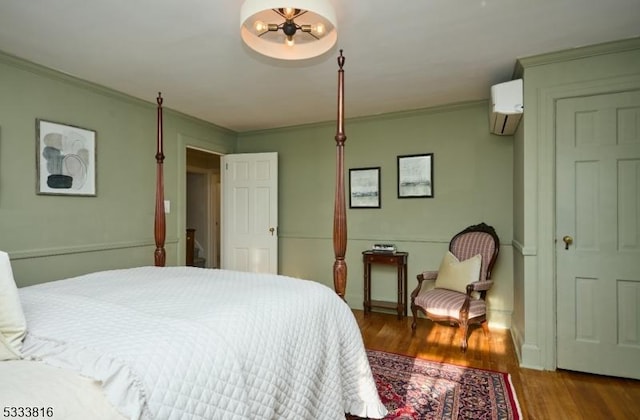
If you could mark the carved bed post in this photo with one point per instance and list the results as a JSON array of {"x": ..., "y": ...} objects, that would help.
[
  {"x": 339, "y": 213},
  {"x": 159, "y": 224}
]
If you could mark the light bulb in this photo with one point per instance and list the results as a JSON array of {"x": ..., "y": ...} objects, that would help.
[
  {"x": 260, "y": 26},
  {"x": 289, "y": 12},
  {"x": 318, "y": 29},
  {"x": 289, "y": 41}
]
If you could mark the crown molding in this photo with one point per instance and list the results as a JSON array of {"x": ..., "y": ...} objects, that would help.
[
  {"x": 576, "y": 53},
  {"x": 49, "y": 73},
  {"x": 384, "y": 116}
]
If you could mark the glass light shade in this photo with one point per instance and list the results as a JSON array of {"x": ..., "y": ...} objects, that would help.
[{"x": 319, "y": 13}]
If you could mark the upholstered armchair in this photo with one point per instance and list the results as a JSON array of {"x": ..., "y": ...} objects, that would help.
[{"x": 461, "y": 283}]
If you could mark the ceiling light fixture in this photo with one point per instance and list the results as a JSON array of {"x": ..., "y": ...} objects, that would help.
[{"x": 298, "y": 32}]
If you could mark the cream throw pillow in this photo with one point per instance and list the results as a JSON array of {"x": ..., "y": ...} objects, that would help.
[
  {"x": 455, "y": 275},
  {"x": 13, "y": 325}
]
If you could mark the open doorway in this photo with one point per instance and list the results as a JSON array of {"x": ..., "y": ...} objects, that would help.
[{"x": 203, "y": 208}]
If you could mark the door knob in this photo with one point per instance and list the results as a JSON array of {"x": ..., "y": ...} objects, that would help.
[
  {"x": 271, "y": 230},
  {"x": 568, "y": 240}
]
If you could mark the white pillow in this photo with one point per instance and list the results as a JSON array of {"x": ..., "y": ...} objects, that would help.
[
  {"x": 13, "y": 325},
  {"x": 7, "y": 352},
  {"x": 455, "y": 275}
]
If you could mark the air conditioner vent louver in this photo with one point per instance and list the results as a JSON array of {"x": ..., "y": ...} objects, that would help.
[{"x": 504, "y": 124}]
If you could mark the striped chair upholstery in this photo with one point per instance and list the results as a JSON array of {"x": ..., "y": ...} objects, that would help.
[{"x": 456, "y": 308}]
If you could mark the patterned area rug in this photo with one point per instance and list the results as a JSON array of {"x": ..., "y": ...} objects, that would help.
[{"x": 414, "y": 388}]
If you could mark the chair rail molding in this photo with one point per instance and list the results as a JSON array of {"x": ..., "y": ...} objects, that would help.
[{"x": 527, "y": 251}]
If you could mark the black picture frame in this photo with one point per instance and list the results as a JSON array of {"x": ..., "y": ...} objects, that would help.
[
  {"x": 415, "y": 176},
  {"x": 364, "y": 188}
]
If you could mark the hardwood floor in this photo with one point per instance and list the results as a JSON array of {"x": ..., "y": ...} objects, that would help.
[{"x": 543, "y": 395}]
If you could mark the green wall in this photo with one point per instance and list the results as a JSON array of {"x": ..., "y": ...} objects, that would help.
[
  {"x": 472, "y": 184},
  {"x": 52, "y": 237}
]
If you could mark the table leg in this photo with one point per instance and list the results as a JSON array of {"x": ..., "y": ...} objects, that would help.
[
  {"x": 404, "y": 281},
  {"x": 400, "y": 292},
  {"x": 367, "y": 288}
]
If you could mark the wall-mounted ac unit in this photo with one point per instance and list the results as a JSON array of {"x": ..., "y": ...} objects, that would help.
[{"x": 506, "y": 107}]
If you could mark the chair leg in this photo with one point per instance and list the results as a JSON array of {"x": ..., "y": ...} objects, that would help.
[
  {"x": 464, "y": 328},
  {"x": 414, "y": 311},
  {"x": 485, "y": 328}
]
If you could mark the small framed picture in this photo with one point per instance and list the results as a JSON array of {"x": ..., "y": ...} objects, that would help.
[
  {"x": 65, "y": 159},
  {"x": 415, "y": 176},
  {"x": 364, "y": 188}
]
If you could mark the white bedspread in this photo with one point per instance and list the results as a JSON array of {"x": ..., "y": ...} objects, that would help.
[
  {"x": 182, "y": 343},
  {"x": 66, "y": 394}
]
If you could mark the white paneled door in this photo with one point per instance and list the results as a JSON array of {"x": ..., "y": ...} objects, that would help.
[
  {"x": 250, "y": 212},
  {"x": 598, "y": 234}
]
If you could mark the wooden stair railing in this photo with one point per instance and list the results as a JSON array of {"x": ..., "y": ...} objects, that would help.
[{"x": 191, "y": 245}]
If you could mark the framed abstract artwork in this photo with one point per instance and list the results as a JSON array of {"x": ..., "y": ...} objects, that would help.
[
  {"x": 415, "y": 176},
  {"x": 364, "y": 188},
  {"x": 65, "y": 159}
]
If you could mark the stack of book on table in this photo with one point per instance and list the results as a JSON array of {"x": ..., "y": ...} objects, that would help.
[{"x": 384, "y": 248}]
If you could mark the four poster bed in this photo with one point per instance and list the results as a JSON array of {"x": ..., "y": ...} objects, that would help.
[{"x": 184, "y": 342}]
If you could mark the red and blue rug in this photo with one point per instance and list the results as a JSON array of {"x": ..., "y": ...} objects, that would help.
[{"x": 414, "y": 388}]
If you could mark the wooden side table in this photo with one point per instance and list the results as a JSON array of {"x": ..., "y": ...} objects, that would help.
[{"x": 398, "y": 259}]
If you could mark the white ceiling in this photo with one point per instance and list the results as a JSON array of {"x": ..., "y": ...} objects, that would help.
[{"x": 400, "y": 54}]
